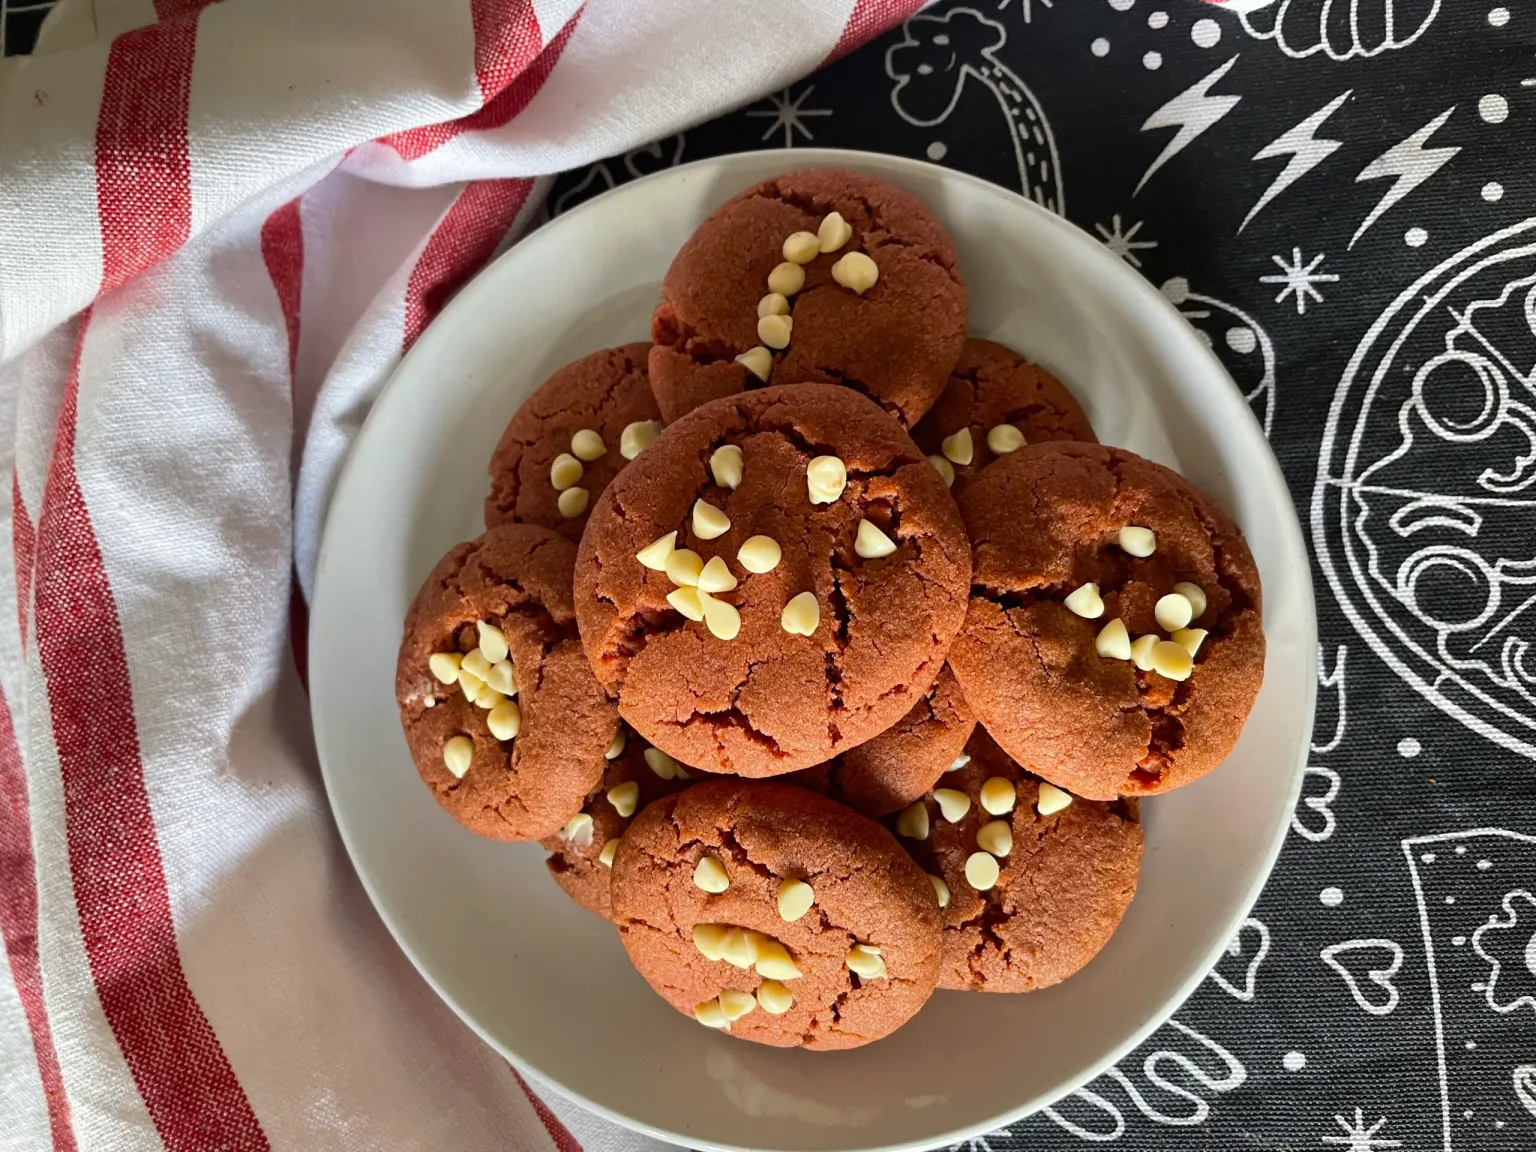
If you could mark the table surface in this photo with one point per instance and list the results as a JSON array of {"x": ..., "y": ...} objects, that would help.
[{"x": 1344, "y": 209}]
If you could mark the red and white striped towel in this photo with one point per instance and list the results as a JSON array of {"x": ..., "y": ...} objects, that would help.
[{"x": 220, "y": 226}]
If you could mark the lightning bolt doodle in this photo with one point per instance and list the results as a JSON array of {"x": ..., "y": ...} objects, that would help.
[
  {"x": 1191, "y": 112},
  {"x": 1410, "y": 162},
  {"x": 1303, "y": 147}
]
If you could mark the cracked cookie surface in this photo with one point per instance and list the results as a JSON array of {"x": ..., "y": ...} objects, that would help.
[
  {"x": 605, "y": 392},
  {"x": 517, "y": 577},
  {"x": 1045, "y": 520},
  {"x": 896, "y": 767},
  {"x": 1061, "y": 892},
  {"x": 896, "y": 343},
  {"x": 866, "y": 890},
  {"x": 769, "y": 702},
  {"x": 991, "y": 385}
]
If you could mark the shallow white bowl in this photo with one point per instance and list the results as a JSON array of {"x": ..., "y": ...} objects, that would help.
[{"x": 548, "y": 984}]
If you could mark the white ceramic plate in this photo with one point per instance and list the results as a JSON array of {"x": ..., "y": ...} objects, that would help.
[{"x": 546, "y": 983}]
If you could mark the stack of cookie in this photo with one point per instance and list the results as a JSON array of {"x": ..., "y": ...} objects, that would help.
[{"x": 813, "y": 533}]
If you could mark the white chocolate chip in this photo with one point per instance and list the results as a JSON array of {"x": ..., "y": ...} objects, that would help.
[
  {"x": 913, "y": 822},
  {"x": 715, "y": 576},
  {"x": 708, "y": 521},
  {"x": 709, "y": 875},
  {"x": 488, "y": 697},
  {"x": 680, "y": 772},
  {"x": 624, "y": 797},
  {"x": 945, "y": 469},
  {"x": 683, "y": 567},
  {"x": 864, "y": 964},
  {"x": 759, "y": 554},
  {"x": 722, "y": 619},
  {"x": 506, "y": 721},
  {"x": 958, "y": 448},
  {"x": 870, "y": 948},
  {"x": 758, "y": 361},
  {"x": 953, "y": 804},
  {"x": 786, "y": 278},
  {"x": 998, "y": 795},
  {"x": 981, "y": 871},
  {"x": 709, "y": 939},
  {"x": 834, "y": 232},
  {"x": 687, "y": 601},
  {"x": 1172, "y": 660},
  {"x": 871, "y": 543},
  {"x": 445, "y": 666},
  {"x": 801, "y": 615},
  {"x": 578, "y": 831},
  {"x": 492, "y": 642},
  {"x": 774, "y": 961},
  {"x": 605, "y": 857},
  {"x": 565, "y": 471},
  {"x": 959, "y": 762},
  {"x": 825, "y": 479},
  {"x": 774, "y": 331},
  {"x": 588, "y": 445},
  {"x": 856, "y": 272},
  {"x": 1085, "y": 602},
  {"x": 1113, "y": 641},
  {"x": 477, "y": 665},
  {"x": 1138, "y": 541},
  {"x": 795, "y": 899},
  {"x": 655, "y": 554},
  {"x": 637, "y": 437},
  {"x": 503, "y": 678},
  {"x": 736, "y": 1004},
  {"x": 1005, "y": 438},
  {"x": 773, "y": 998},
  {"x": 616, "y": 747},
  {"x": 1173, "y": 611},
  {"x": 725, "y": 465},
  {"x": 801, "y": 247},
  {"x": 773, "y": 304},
  {"x": 710, "y": 1014},
  {"x": 429, "y": 702},
  {"x": 1195, "y": 595},
  {"x": 470, "y": 683},
  {"x": 1190, "y": 639},
  {"x": 660, "y": 763},
  {"x": 995, "y": 837},
  {"x": 1141, "y": 651},
  {"x": 740, "y": 947},
  {"x": 940, "y": 889},
  {"x": 573, "y": 502},
  {"x": 458, "y": 753},
  {"x": 1051, "y": 799}
]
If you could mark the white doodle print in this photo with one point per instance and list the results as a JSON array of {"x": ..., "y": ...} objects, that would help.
[
  {"x": 1322, "y": 805},
  {"x": 1251, "y": 955},
  {"x": 1410, "y": 163},
  {"x": 937, "y": 55},
  {"x": 1508, "y": 944},
  {"x": 1424, "y": 494},
  {"x": 1122, "y": 241},
  {"x": 1360, "y": 1137},
  {"x": 787, "y": 113},
  {"x": 1305, "y": 149},
  {"x": 1477, "y": 930},
  {"x": 1299, "y": 279},
  {"x": 1095, "y": 1101},
  {"x": 1193, "y": 111},
  {"x": 1376, "y": 968},
  {"x": 1333, "y": 683},
  {"x": 637, "y": 162},
  {"x": 1240, "y": 343},
  {"x": 1361, "y": 28},
  {"x": 983, "y": 1143},
  {"x": 1026, "y": 7},
  {"x": 1524, "y": 1080}
]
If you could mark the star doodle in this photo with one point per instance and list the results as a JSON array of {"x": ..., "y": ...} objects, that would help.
[
  {"x": 1357, "y": 1137},
  {"x": 1123, "y": 243},
  {"x": 981, "y": 1143},
  {"x": 1300, "y": 279},
  {"x": 789, "y": 113},
  {"x": 1027, "y": 7}
]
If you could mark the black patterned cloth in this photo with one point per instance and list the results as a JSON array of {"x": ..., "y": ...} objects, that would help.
[{"x": 1341, "y": 196}]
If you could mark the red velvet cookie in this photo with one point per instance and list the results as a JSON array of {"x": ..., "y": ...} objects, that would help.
[
  {"x": 495, "y": 618},
  {"x": 896, "y": 342},
  {"x": 776, "y": 913},
  {"x": 1113, "y": 643},
  {"x": 828, "y": 619},
  {"x": 602, "y": 394}
]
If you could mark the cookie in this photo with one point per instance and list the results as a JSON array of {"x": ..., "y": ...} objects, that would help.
[
  {"x": 895, "y": 341},
  {"x": 743, "y": 904},
  {"x": 1001, "y": 401},
  {"x": 834, "y": 624},
  {"x": 604, "y": 393},
  {"x": 581, "y": 853},
  {"x": 1059, "y": 875},
  {"x": 1113, "y": 643},
  {"x": 899, "y": 765},
  {"x": 513, "y": 764}
]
